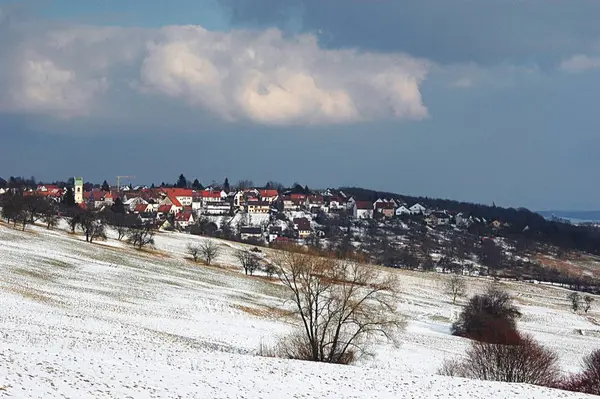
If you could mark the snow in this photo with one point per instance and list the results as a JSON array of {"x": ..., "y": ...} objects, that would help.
[{"x": 104, "y": 320}]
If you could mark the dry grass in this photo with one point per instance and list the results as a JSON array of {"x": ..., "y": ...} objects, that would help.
[
  {"x": 34, "y": 295},
  {"x": 266, "y": 312},
  {"x": 34, "y": 274}
]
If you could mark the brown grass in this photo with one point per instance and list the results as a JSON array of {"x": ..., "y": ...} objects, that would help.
[
  {"x": 266, "y": 312},
  {"x": 34, "y": 295}
]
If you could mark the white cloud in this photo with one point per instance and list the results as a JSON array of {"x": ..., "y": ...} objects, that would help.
[
  {"x": 259, "y": 76},
  {"x": 580, "y": 63}
]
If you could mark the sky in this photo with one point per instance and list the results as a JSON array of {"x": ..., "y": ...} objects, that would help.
[{"x": 489, "y": 101}]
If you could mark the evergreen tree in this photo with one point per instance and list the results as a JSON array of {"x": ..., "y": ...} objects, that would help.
[
  {"x": 69, "y": 197},
  {"x": 118, "y": 206},
  {"x": 105, "y": 186},
  {"x": 152, "y": 186},
  {"x": 226, "y": 186},
  {"x": 196, "y": 185},
  {"x": 181, "y": 182}
]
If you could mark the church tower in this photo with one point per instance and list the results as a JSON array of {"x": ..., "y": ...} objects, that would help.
[{"x": 78, "y": 190}]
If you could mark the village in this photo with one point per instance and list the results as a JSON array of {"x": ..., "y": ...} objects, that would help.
[{"x": 261, "y": 215}]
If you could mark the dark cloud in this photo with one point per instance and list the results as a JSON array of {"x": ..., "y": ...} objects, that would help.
[{"x": 446, "y": 31}]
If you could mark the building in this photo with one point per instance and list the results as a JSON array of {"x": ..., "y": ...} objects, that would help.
[
  {"x": 417, "y": 209},
  {"x": 183, "y": 219},
  {"x": 302, "y": 227},
  {"x": 385, "y": 209},
  {"x": 362, "y": 210},
  {"x": 78, "y": 190},
  {"x": 274, "y": 233},
  {"x": 258, "y": 207},
  {"x": 251, "y": 233}
]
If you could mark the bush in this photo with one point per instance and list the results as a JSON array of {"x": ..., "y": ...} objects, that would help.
[
  {"x": 523, "y": 361},
  {"x": 588, "y": 381},
  {"x": 489, "y": 317}
]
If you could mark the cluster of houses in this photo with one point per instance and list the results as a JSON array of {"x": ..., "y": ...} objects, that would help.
[{"x": 181, "y": 207}]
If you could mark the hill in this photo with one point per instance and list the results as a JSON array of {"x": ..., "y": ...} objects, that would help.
[{"x": 103, "y": 320}]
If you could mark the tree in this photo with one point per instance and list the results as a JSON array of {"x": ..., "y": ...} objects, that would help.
[
  {"x": 69, "y": 197},
  {"x": 196, "y": 185},
  {"x": 118, "y": 206},
  {"x": 489, "y": 317},
  {"x": 181, "y": 182},
  {"x": 209, "y": 251},
  {"x": 342, "y": 305},
  {"x": 455, "y": 286},
  {"x": 93, "y": 225},
  {"x": 193, "y": 249},
  {"x": 521, "y": 361},
  {"x": 248, "y": 260},
  {"x": 226, "y": 186},
  {"x": 141, "y": 236},
  {"x": 244, "y": 184},
  {"x": 587, "y": 303},
  {"x": 50, "y": 217},
  {"x": 105, "y": 186},
  {"x": 575, "y": 300}
]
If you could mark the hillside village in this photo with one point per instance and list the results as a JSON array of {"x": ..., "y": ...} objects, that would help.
[{"x": 387, "y": 228}]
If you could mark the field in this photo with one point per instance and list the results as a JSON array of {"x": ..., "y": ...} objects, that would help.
[{"x": 103, "y": 320}]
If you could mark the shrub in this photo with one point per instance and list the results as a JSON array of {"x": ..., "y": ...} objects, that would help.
[
  {"x": 588, "y": 381},
  {"x": 489, "y": 317},
  {"x": 522, "y": 361}
]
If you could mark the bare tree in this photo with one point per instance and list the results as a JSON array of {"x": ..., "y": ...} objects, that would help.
[
  {"x": 141, "y": 236},
  {"x": 342, "y": 305},
  {"x": 587, "y": 303},
  {"x": 248, "y": 260},
  {"x": 588, "y": 380},
  {"x": 244, "y": 184},
  {"x": 575, "y": 300},
  {"x": 92, "y": 225},
  {"x": 193, "y": 249},
  {"x": 455, "y": 286},
  {"x": 270, "y": 269},
  {"x": 523, "y": 361},
  {"x": 209, "y": 251}
]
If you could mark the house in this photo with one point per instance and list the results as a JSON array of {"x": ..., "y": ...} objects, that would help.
[
  {"x": 302, "y": 227},
  {"x": 417, "y": 209},
  {"x": 207, "y": 196},
  {"x": 336, "y": 203},
  {"x": 315, "y": 201},
  {"x": 184, "y": 196},
  {"x": 350, "y": 203},
  {"x": 362, "y": 210},
  {"x": 176, "y": 205},
  {"x": 268, "y": 195},
  {"x": 385, "y": 209},
  {"x": 140, "y": 208},
  {"x": 247, "y": 233},
  {"x": 402, "y": 210},
  {"x": 294, "y": 202},
  {"x": 184, "y": 219},
  {"x": 438, "y": 219},
  {"x": 166, "y": 210},
  {"x": 274, "y": 233},
  {"x": 258, "y": 207},
  {"x": 216, "y": 208},
  {"x": 462, "y": 220}
]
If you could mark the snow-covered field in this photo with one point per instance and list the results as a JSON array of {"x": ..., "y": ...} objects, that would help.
[{"x": 102, "y": 320}]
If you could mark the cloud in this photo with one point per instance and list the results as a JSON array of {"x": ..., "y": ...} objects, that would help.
[
  {"x": 580, "y": 63},
  {"x": 242, "y": 75}
]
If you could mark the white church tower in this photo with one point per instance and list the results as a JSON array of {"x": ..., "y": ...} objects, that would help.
[{"x": 78, "y": 190}]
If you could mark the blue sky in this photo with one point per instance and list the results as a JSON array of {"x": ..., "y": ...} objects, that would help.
[{"x": 488, "y": 101}]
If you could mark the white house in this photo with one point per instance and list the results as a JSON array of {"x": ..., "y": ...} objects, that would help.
[
  {"x": 402, "y": 210},
  {"x": 362, "y": 210},
  {"x": 184, "y": 219},
  {"x": 417, "y": 208}
]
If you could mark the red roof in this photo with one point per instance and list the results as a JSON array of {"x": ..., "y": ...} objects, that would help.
[
  {"x": 178, "y": 192},
  {"x": 268, "y": 193},
  {"x": 210, "y": 194},
  {"x": 141, "y": 208},
  {"x": 183, "y": 217},
  {"x": 384, "y": 205},
  {"x": 175, "y": 201},
  {"x": 298, "y": 196},
  {"x": 164, "y": 208},
  {"x": 364, "y": 205}
]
